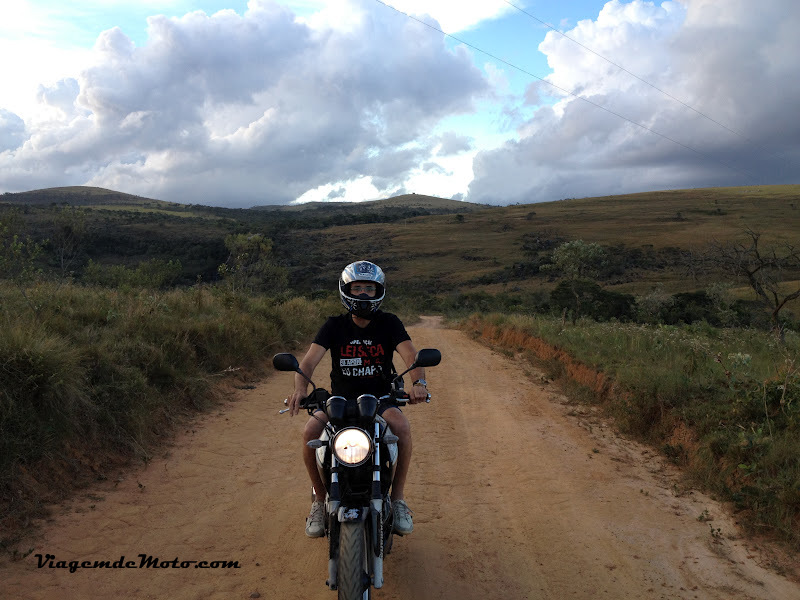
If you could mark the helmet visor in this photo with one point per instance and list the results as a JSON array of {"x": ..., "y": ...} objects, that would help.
[{"x": 363, "y": 289}]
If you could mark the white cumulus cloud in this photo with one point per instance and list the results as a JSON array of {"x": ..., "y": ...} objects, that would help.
[
  {"x": 731, "y": 62},
  {"x": 245, "y": 109}
]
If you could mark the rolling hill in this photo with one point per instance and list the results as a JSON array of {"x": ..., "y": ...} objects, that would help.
[
  {"x": 405, "y": 201},
  {"x": 651, "y": 237},
  {"x": 432, "y": 244},
  {"x": 80, "y": 196}
]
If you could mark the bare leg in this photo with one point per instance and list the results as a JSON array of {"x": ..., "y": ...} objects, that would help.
[
  {"x": 312, "y": 431},
  {"x": 402, "y": 429}
]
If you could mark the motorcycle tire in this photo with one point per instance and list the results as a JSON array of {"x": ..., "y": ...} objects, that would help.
[{"x": 352, "y": 580}]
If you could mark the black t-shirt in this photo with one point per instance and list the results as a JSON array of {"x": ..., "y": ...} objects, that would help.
[{"x": 361, "y": 357}]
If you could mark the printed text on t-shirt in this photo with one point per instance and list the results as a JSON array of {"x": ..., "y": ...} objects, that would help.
[{"x": 363, "y": 354}]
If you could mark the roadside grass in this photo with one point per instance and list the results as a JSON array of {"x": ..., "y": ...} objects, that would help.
[
  {"x": 722, "y": 403},
  {"x": 91, "y": 376}
]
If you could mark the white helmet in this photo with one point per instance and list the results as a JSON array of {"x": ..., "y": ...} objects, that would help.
[{"x": 362, "y": 305}]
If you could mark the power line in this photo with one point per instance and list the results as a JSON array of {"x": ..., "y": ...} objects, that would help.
[
  {"x": 574, "y": 95},
  {"x": 634, "y": 75},
  {"x": 621, "y": 68}
]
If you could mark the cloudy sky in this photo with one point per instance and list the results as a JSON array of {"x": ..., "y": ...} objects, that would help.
[{"x": 237, "y": 103}]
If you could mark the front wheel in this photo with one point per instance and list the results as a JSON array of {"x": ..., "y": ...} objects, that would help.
[{"x": 352, "y": 580}]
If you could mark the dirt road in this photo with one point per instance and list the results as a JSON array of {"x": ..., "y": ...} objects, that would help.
[{"x": 514, "y": 496}]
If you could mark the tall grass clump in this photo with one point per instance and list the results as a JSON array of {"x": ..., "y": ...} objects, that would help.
[
  {"x": 724, "y": 403},
  {"x": 44, "y": 392},
  {"x": 89, "y": 373}
]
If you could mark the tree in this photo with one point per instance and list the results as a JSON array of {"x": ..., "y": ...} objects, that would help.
[
  {"x": 768, "y": 270},
  {"x": 577, "y": 261},
  {"x": 249, "y": 266},
  {"x": 18, "y": 255},
  {"x": 70, "y": 227}
]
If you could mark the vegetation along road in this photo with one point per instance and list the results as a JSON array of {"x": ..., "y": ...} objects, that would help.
[{"x": 516, "y": 494}]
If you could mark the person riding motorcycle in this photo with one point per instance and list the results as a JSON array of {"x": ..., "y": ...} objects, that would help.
[{"x": 362, "y": 343}]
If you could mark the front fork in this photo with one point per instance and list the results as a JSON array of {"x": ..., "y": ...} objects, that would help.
[
  {"x": 376, "y": 514},
  {"x": 375, "y": 542},
  {"x": 332, "y": 508}
]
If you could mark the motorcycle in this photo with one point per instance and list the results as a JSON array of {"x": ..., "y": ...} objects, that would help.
[{"x": 356, "y": 456}]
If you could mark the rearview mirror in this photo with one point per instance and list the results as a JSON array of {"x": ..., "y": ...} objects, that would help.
[
  {"x": 285, "y": 362},
  {"x": 428, "y": 357}
]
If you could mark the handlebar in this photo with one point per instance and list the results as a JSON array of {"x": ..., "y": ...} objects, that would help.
[
  {"x": 316, "y": 400},
  {"x": 427, "y": 357}
]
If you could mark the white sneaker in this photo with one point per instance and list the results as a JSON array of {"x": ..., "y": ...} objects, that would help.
[
  {"x": 315, "y": 523},
  {"x": 402, "y": 517}
]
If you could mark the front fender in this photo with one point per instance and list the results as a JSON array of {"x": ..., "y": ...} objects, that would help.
[{"x": 352, "y": 515}]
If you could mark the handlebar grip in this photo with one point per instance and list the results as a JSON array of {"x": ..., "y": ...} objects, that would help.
[{"x": 403, "y": 400}]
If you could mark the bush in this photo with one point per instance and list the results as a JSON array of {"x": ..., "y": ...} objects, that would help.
[
  {"x": 470, "y": 302},
  {"x": 690, "y": 307},
  {"x": 43, "y": 395},
  {"x": 153, "y": 274},
  {"x": 595, "y": 302}
]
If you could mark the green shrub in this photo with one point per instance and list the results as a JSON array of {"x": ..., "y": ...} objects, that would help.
[
  {"x": 43, "y": 395},
  {"x": 155, "y": 274},
  {"x": 690, "y": 307},
  {"x": 595, "y": 302}
]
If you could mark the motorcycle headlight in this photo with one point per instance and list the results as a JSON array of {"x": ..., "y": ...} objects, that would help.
[{"x": 352, "y": 446}]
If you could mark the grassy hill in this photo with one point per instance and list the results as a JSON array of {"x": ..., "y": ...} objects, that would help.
[
  {"x": 652, "y": 236},
  {"x": 406, "y": 201},
  {"x": 104, "y": 198},
  {"x": 429, "y": 243},
  {"x": 81, "y": 196},
  {"x": 122, "y": 229}
]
